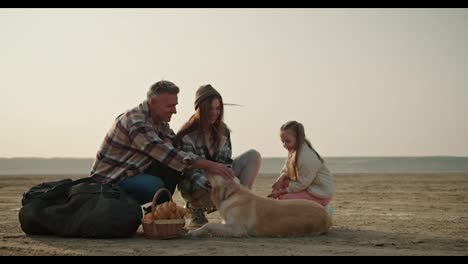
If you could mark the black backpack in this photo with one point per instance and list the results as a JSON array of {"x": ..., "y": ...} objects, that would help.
[{"x": 80, "y": 208}]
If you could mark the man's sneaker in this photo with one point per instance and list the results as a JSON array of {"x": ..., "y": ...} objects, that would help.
[{"x": 197, "y": 218}]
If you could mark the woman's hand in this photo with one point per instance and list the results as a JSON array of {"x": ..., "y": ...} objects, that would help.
[
  {"x": 215, "y": 168},
  {"x": 224, "y": 171}
]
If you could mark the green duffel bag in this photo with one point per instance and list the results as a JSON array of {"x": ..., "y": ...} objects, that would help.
[{"x": 80, "y": 208}]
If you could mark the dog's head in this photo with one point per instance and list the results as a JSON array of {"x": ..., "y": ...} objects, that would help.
[
  {"x": 223, "y": 192},
  {"x": 222, "y": 189}
]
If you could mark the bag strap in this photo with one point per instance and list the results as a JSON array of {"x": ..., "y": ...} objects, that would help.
[{"x": 93, "y": 187}]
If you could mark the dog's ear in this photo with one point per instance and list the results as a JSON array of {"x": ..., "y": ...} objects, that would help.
[
  {"x": 225, "y": 191},
  {"x": 215, "y": 179},
  {"x": 222, "y": 192},
  {"x": 217, "y": 193},
  {"x": 208, "y": 174}
]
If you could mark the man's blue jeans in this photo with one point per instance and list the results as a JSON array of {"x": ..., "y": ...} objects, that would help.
[{"x": 144, "y": 186}]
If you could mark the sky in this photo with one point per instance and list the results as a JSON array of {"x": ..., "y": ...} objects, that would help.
[{"x": 364, "y": 82}]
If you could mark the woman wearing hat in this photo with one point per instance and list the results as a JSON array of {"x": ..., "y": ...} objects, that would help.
[{"x": 205, "y": 134}]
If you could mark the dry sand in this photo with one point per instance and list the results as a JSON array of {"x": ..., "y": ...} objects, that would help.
[{"x": 400, "y": 214}]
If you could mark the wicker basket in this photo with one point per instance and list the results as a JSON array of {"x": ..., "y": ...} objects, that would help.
[{"x": 162, "y": 229}]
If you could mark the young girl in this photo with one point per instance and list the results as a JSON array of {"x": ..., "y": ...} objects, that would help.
[{"x": 304, "y": 175}]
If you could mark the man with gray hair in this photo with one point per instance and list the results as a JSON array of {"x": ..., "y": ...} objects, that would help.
[{"x": 138, "y": 155}]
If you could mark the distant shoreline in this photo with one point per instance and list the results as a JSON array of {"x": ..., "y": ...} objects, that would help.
[{"x": 338, "y": 165}]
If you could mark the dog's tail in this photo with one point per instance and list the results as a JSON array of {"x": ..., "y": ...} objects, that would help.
[
  {"x": 329, "y": 222},
  {"x": 329, "y": 210},
  {"x": 328, "y": 225}
]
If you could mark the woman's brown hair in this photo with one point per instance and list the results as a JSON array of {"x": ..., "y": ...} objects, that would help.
[{"x": 199, "y": 121}]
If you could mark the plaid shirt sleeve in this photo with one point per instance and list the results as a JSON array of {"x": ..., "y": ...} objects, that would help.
[
  {"x": 195, "y": 176},
  {"x": 146, "y": 139}
]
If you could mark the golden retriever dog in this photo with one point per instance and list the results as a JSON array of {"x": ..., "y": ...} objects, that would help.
[{"x": 245, "y": 214}]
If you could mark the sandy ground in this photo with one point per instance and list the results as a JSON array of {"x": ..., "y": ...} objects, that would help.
[{"x": 411, "y": 214}]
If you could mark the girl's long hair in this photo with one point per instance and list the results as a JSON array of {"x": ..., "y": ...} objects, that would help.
[
  {"x": 199, "y": 122},
  {"x": 297, "y": 129}
]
